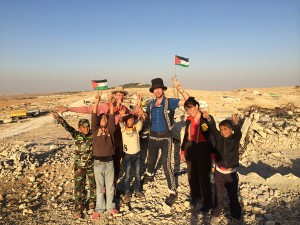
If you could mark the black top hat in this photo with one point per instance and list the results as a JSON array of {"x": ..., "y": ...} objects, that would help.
[{"x": 157, "y": 83}]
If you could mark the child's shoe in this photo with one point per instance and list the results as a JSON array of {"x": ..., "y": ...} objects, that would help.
[
  {"x": 171, "y": 199},
  {"x": 126, "y": 199},
  {"x": 114, "y": 211},
  {"x": 95, "y": 215},
  {"x": 148, "y": 179},
  {"x": 140, "y": 195}
]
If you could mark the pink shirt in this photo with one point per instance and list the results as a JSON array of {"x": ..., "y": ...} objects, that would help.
[{"x": 102, "y": 108}]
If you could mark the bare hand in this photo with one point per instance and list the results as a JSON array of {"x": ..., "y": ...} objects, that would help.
[
  {"x": 62, "y": 109},
  {"x": 139, "y": 99},
  {"x": 122, "y": 113},
  {"x": 98, "y": 96},
  {"x": 56, "y": 116},
  {"x": 206, "y": 115},
  {"x": 111, "y": 98},
  {"x": 141, "y": 114},
  {"x": 176, "y": 83},
  {"x": 235, "y": 119}
]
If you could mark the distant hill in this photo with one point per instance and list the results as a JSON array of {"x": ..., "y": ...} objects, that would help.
[{"x": 136, "y": 85}]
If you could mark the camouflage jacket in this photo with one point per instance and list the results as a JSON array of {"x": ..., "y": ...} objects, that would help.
[{"x": 83, "y": 143}]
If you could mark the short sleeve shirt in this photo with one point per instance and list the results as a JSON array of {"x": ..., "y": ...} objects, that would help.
[{"x": 158, "y": 123}]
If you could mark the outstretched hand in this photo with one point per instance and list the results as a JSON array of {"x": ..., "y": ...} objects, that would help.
[
  {"x": 122, "y": 112},
  {"x": 176, "y": 83},
  {"x": 111, "y": 98},
  {"x": 98, "y": 96},
  {"x": 139, "y": 99},
  {"x": 56, "y": 116},
  {"x": 206, "y": 115},
  {"x": 235, "y": 119},
  {"x": 62, "y": 109}
]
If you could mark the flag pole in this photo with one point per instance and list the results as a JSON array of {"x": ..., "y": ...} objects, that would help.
[{"x": 176, "y": 91}]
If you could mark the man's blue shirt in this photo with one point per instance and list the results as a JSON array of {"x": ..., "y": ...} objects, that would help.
[{"x": 158, "y": 123}]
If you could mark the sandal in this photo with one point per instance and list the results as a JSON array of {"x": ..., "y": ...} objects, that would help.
[
  {"x": 114, "y": 211},
  {"x": 140, "y": 195},
  {"x": 126, "y": 199},
  {"x": 95, "y": 215}
]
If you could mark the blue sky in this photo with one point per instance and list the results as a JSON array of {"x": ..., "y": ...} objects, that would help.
[{"x": 48, "y": 46}]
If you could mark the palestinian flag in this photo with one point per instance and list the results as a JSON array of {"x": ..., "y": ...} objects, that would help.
[
  {"x": 99, "y": 84},
  {"x": 180, "y": 61}
]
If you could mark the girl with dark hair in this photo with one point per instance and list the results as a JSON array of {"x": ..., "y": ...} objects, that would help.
[{"x": 196, "y": 150}]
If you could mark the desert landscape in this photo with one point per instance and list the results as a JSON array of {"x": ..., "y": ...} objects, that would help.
[{"x": 36, "y": 158}]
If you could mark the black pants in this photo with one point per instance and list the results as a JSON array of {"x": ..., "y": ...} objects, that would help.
[
  {"x": 230, "y": 182},
  {"x": 198, "y": 161},
  {"x": 165, "y": 144},
  {"x": 118, "y": 152}
]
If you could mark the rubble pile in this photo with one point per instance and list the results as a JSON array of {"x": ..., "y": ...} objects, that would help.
[{"x": 265, "y": 129}]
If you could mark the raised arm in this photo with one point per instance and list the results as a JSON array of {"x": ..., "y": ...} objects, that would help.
[
  {"x": 97, "y": 100},
  {"x": 236, "y": 128},
  {"x": 211, "y": 124},
  {"x": 179, "y": 88},
  {"x": 95, "y": 122},
  {"x": 68, "y": 128}
]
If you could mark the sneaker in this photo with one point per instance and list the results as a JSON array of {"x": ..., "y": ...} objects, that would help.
[
  {"x": 126, "y": 199},
  {"x": 114, "y": 211},
  {"x": 148, "y": 179},
  {"x": 171, "y": 199},
  {"x": 95, "y": 215},
  {"x": 140, "y": 195},
  {"x": 77, "y": 215},
  {"x": 214, "y": 220}
]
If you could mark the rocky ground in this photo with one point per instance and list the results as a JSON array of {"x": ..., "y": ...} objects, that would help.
[{"x": 37, "y": 155}]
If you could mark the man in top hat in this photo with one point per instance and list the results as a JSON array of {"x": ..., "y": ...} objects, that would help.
[
  {"x": 118, "y": 93},
  {"x": 160, "y": 114}
]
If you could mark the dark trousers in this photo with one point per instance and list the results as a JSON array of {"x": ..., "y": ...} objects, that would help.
[
  {"x": 118, "y": 153},
  {"x": 165, "y": 144},
  {"x": 198, "y": 161},
  {"x": 230, "y": 182}
]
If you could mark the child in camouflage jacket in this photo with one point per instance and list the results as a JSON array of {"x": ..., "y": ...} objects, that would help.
[{"x": 83, "y": 164}]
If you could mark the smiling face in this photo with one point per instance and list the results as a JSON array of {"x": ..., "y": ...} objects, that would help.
[
  {"x": 103, "y": 121},
  {"x": 225, "y": 131},
  {"x": 130, "y": 122},
  {"x": 119, "y": 96},
  {"x": 192, "y": 110},
  {"x": 84, "y": 129},
  {"x": 158, "y": 92}
]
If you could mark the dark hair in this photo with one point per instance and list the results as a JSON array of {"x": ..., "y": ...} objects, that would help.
[
  {"x": 226, "y": 123},
  {"x": 101, "y": 115},
  {"x": 128, "y": 117},
  {"x": 190, "y": 102}
]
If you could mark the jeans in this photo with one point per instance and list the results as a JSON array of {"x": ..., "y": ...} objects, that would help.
[
  {"x": 104, "y": 176},
  {"x": 132, "y": 161}
]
